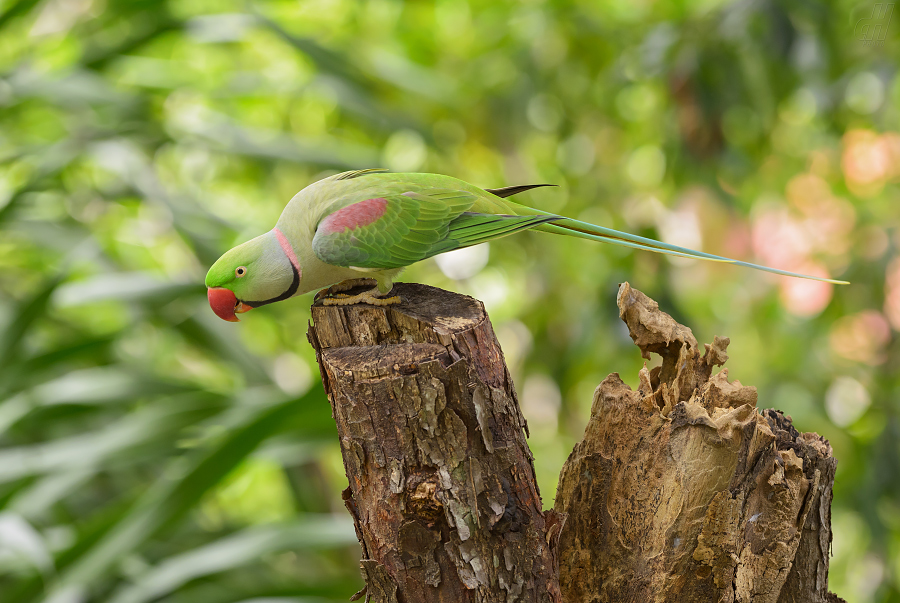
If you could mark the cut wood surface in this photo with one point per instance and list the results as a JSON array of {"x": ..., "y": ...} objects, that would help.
[{"x": 679, "y": 491}]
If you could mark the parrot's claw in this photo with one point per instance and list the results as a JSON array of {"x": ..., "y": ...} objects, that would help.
[
  {"x": 334, "y": 290},
  {"x": 366, "y": 297}
]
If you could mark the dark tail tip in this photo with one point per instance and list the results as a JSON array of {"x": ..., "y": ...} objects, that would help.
[{"x": 509, "y": 191}]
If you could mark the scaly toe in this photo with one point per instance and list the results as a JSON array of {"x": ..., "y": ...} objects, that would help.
[
  {"x": 340, "y": 300},
  {"x": 362, "y": 298},
  {"x": 384, "y": 301}
]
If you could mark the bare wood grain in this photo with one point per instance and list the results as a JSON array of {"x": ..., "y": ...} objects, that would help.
[{"x": 683, "y": 491}]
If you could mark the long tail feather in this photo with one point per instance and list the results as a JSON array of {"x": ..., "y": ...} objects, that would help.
[
  {"x": 577, "y": 228},
  {"x": 622, "y": 242}
]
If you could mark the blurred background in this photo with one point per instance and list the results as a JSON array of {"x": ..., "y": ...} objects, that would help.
[{"x": 152, "y": 452}]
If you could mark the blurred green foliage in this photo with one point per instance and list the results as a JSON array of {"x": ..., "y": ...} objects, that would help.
[{"x": 151, "y": 452}]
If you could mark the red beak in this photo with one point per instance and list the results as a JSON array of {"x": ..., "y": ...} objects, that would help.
[{"x": 223, "y": 302}]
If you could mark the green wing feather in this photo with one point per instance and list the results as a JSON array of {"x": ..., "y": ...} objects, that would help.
[
  {"x": 357, "y": 173},
  {"x": 415, "y": 226}
]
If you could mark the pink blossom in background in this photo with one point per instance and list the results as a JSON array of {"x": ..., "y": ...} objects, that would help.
[
  {"x": 891, "y": 143},
  {"x": 813, "y": 224},
  {"x": 737, "y": 240},
  {"x": 861, "y": 337},
  {"x": 803, "y": 297},
  {"x": 869, "y": 160},
  {"x": 892, "y": 293},
  {"x": 780, "y": 240},
  {"x": 828, "y": 220},
  {"x": 806, "y": 190}
]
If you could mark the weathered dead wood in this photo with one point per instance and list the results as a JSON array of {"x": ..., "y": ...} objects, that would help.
[
  {"x": 683, "y": 491},
  {"x": 442, "y": 487}
]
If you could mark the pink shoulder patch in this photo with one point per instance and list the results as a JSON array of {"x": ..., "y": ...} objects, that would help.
[
  {"x": 288, "y": 250},
  {"x": 354, "y": 216}
]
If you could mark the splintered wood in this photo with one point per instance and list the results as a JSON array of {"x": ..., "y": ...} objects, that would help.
[
  {"x": 679, "y": 491},
  {"x": 683, "y": 491}
]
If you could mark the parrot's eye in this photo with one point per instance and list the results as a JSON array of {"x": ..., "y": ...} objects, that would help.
[{"x": 240, "y": 271}]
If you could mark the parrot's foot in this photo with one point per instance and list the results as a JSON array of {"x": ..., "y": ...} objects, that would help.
[
  {"x": 345, "y": 286},
  {"x": 366, "y": 297}
]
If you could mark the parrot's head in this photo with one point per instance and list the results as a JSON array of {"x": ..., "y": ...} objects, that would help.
[{"x": 261, "y": 271}]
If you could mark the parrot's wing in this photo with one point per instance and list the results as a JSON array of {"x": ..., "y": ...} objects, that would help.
[
  {"x": 357, "y": 173},
  {"x": 397, "y": 230},
  {"x": 509, "y": 191}
]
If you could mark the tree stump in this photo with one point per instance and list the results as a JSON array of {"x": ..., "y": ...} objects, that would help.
[
  {"x": 442, "y": 488},
  {"x": 682, "y": 491},
  {"x": 679, "y": 491}
]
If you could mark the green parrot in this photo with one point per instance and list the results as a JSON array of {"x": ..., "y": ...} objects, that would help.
[{"x": 363, "y": 227}]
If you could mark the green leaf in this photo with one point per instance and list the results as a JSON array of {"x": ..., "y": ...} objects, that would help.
[
  {"x": 169, "y": 500},
  {"x": 308, "y": 532},
  {"x": 113, "y": 443},
  {"x": 129, "y": 286},
  {"x": 21, "y": 321}
]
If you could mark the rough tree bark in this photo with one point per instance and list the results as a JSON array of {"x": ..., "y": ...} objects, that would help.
[
  {"x": 679, "y": 491},
  {"x": 442, "y": 488}
]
